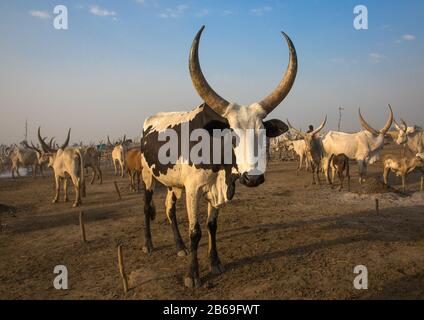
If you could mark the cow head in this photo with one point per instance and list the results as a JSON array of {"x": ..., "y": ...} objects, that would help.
[
  {"x": 49, "y": 152},
  {"x": 311, "y": 141},
  {"x": 246, "y": 122},
  {"x": 404, "y": 131}
]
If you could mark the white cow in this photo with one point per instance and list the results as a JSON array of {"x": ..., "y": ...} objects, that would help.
[
  {"x": 364, "y": 146},
  {"x": 412, "y": 137},
  {"x": 66, "y": 163}
]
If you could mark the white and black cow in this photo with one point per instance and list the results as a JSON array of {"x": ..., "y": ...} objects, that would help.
[{"x": 216, "y": 182}]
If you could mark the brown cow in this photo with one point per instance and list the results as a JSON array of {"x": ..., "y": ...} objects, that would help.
[
  {"x": 340, "y": 163},
  {"x": 133, "y": 166}
]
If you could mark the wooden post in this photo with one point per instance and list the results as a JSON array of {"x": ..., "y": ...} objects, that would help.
[
  {"x": 122, "y": 268},
  {"x": 377, "y": 206},
  {"x": 117, "y": 190},
  {"x": 82, "y": 226}
]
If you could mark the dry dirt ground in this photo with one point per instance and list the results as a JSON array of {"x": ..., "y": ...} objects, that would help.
[{"x": 283, "y": 240}]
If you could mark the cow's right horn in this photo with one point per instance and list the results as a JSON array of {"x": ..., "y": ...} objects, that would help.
[
  {"x": 43, "y": 144},
  {"x": 65, "y": 144},
  {"x": 389, "y": 122},
  {"x": 214, "y": 100}
]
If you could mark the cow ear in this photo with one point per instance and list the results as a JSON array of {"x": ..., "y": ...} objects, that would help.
[
  {"x": 215, "y": 124},
  {"x": 275, "y": 128}
]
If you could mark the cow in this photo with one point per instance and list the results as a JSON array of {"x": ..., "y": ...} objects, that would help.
[
  {"x": 23, "y": 157},
  {"x": 364, "y": 146},
  {"x": 92, "y": 160},
  {"x": 340, "y": 163},
  {"x": 42, "y": 158},
  {"x": 299, "y": 148},
  {"x": 118, "y": 155},
  {"x": 313, "y": 148},
  {"x": 412, "y": 137},
  {"x": 402, "y": 166},
  {"x": 215, "y": 181},
  {"x": 66, "y": 163},
  {"x": 133, "y": 166}
]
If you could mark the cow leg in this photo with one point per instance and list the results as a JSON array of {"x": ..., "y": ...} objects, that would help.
[
  {"x": 341, "y": 177},
  {"x": 348, "y": 176},
  {"x": 149, "y": 210},
  {"x": 326, "y": 167},
  {"x": 215, "y": 264},
  {"x": 122, "y": 170},
  {"x": 78, "y": 185},
  {"x": 422, "y": 183},
  {"x": 94, "y": 175},
  {"x": 57, "y": 182},
  {"x": 404, "y": 183},
  {"x": 361, "y": 167},
  {"x": 65, "y": 190},
  {"x": 192, "y": 279},
  {"x": 171, "y": 201},
  {"x": 34, "y": 171},
  {"x": 386, "y": 175},
  {"x": 114, "y": 165},
  {"x": 100, "y": 174}
]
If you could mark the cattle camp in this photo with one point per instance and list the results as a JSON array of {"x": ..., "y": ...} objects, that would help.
[{"x": 225, "y": 183}]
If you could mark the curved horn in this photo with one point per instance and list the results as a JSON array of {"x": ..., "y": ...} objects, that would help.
[
  {"x": 294, "y": 129},
  {"x": 65, "y": 144},
  {"x": 281, "y": 91},
  {"x": 35, "y": 148},
  {"x": 405, "y": 125},
  {"x": 316, "y": 131},
  {"x": 366, "y": 126},
  {"x": 43, "y": 144},
  {"x": 25, "y": 143},
  {"x": 389, "y": 122},
  {"x": 215, "y": 101},
  {"x": 398, "y": 127}
]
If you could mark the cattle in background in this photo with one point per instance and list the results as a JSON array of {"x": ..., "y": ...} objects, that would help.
[
  {"x": 364, "y": 146},
  {"x": 42, "y": 158},
  {"x": 133, "y": 165},
  {"x": 25, "y": 158},
  {"x": 340, "y": 163},
  {"x": 402, "y": 166},
  {"x": 313, "y": 148},
  {"x": 66, "y": 163},
  {"x": 412, "y": 137},
  {"x": 118, "y": 155},
  {"x": 216, "y": 182},
  {"x": 92, "y": 160}
]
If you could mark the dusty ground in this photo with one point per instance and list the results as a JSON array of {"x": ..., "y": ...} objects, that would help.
[{"x": 283, "y": 240}]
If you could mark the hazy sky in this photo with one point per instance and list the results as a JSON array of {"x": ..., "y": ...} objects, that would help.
[{"x": 123, "y": 60}]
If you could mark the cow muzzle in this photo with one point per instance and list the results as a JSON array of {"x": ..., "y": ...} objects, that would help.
[{"x": 252, "y": 180}]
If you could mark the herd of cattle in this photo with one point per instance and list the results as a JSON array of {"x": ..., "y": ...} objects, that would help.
[{"x": 322, "y": 153}]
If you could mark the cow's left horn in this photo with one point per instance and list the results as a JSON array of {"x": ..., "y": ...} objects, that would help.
[
  {"x": 294, "y": 129},
  {"x": 388, "y": 123},
  {"x": 65, "y": 144},
  {"x": 366, "y": 126},
  {"x": 281, "y": 91},
  {"x": 214, "y": 100}
]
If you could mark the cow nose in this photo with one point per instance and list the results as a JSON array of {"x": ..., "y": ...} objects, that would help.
[{"x": 252, "y": 180}]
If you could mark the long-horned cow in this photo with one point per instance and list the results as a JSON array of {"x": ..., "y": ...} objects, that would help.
[
  {"x": 42, "y": 158},
  {"x": 364, "y": 146},
  {"x": 412, "y": 137},
  {"x": 313, "y": 148},
  {"x": 214, "y": 180},
  {"x": 66, "y": 163}
]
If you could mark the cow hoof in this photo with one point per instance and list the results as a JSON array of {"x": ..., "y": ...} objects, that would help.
[
  {"x": 217, "y": 269},
  {"x": 75, "y": 205},
  {"x": 192, "y": 282},
  {"x": 54, "y": 201},
  {"x": 183, "y": 253}
]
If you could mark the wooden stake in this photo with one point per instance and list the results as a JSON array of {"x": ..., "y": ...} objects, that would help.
[
  {"x": 377, "y": 206},
  {"x": 117, "y": 190},
  {"x": 122, "y": 268},
  {"x": 82, "y": 226}
]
